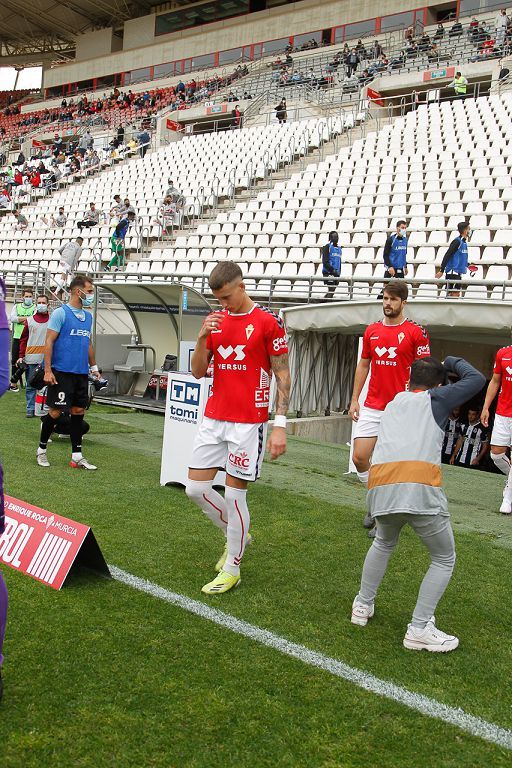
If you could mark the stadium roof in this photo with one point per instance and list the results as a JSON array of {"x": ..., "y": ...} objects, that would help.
[{"x": 44, "y": 26}]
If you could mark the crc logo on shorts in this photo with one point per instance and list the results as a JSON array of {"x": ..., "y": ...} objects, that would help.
[
  {"x": 240, "y": 460},
  {"x": 184, "y": 397}
]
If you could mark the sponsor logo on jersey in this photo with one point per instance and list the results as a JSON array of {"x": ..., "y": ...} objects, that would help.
[
  {"x": 237, "y": 351},
  {"x": 262, "y": 395},
  {"x": 240, "y": 460},
  {"x": 279, "y": 344},
  {"x": 249, "y": 330},
  {"x": 425, "y": 350},
  {"x": 389, "y": 351},
  {"x": 184, "y": 401},
  {"x": 80, "y": 332},
  {"x": 509, "y": 370}
]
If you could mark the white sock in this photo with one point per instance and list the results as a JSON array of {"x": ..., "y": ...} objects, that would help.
[
  {"x": 502, "y": 461},
  {"x": 363, "y": 476},
  {"x": 238, "y": 527},
  {"x": 213, "y": 505},
  {"x": 76, "y": 456},
  {"x": 40, "y": 450}
]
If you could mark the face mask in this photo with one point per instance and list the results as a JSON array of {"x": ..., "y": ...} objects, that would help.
[
  {"x": 28, "y": 302},
  {"x": 42, "y": 308},
  {"x": 402, "y": 232},
  {"x": 87, "y": 299}
]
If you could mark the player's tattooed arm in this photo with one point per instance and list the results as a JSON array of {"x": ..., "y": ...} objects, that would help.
[{"x": 281, "y": 370}]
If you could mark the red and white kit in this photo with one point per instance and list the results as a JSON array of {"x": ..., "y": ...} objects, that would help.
[
  {"x": 392, "y": 349},
  {"x": 502, "y": 429},
  {"x": 232, "y": 434}
]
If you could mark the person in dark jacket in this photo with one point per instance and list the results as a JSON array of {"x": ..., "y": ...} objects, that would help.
[
  {"x": 455, "y": 260},
  {"x": 331, "y": 263}
]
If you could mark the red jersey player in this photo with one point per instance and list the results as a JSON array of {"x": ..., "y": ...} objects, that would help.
[
  {"x": 390, "y": 346},
  {"x": 248, "y": 345},
  {"x": 501, "y": 437}
]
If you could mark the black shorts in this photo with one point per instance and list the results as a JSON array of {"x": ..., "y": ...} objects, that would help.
[
  {"x": 399, "y": 273},
  {"x": 72, "y": 389},
  {"x": 455, "y": 278}
]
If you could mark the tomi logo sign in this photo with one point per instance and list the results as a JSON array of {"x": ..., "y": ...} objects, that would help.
[{"x": 184, "y": 400}]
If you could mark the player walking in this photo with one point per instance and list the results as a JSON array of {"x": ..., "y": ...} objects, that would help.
[
  {"x": 391, "y": 345},
  {"x": 248, "y": 344},
  {"x": 501, "y": 437}
]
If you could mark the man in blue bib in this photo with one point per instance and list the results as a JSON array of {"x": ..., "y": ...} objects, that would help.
[
  {"x": 331, "y": 263},
  {"x": 455, "y": 261},
  {"x": 68, "y": 357},
  {"x": 395, "y": 252}
]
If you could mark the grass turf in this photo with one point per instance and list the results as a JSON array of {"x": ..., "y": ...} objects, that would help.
[{"x": 102, "y": 675}]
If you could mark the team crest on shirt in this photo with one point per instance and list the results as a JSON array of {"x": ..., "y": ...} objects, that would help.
[
  {"x": 401, "y": 337},
  {"x": 249, "y": 330}
]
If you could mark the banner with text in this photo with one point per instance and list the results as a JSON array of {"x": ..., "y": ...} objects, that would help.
[{"x": 45, "y": 545}]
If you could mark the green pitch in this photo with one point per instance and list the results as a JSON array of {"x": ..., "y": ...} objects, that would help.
[{"x": 100, "y": 675}]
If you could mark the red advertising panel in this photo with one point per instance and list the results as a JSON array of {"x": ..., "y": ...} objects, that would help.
[
  {"x": 375, "y": 96},
  {"x": 45, "y": 545},
  {"x": 172, "y": 125}
]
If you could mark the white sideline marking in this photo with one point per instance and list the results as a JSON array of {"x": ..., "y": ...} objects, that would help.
[{"x": 430, "y": 707}]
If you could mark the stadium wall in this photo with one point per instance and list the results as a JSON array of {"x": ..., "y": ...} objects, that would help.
[{"x": 143, "y": 49}]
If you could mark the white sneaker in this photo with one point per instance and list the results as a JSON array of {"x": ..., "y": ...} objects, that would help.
[
  {"x": 82, "y": 464},
  {"x": 361, "y": 613},
  {"x": 429, "y": 639},
  {"x": 42, "y": 459},
  {"x": 506, "y": 507}
]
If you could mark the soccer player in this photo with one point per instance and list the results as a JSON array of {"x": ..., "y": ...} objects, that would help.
[
  {"x": 248, "y": 345},
  {"x": 473, "y": 444},
  {"x": 452, "y": 432},
  {"x": 501, "y": 437},
  {"x": 68, "y": 358},
  {"x": 405, "y": 488},
  {"x": 390, "y": 345}
]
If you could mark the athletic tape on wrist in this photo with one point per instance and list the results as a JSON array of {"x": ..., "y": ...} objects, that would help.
[{"x": 280, "y": 421}]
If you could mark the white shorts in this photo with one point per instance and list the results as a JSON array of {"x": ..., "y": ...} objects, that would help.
[
  {"x": 236, "y": 447},
  {"x": 368, "y": 423},
  {"x": 502, "y": 430}
]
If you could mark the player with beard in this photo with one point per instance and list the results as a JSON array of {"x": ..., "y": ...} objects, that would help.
[{"x": 390, "y": 346}]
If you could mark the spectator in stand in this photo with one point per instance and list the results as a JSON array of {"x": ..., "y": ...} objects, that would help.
[
  {"x": 281, "y": 111},
  {"x": 412, "y": 50},
  {"x": 31, "y": 347},
  {"x": 117, "y": 243},
  {"x": 5, "y": 198},
  {"x": 424, "y": 43},
  {"x": 57, "y": 144},
  {"x": 439, "y": 34},
  {"x": 175, "y": 194},
  {"x": 91, "y": 218},
  {"x": 22, "y": 222},
  {"x": 352, "y": 62},
  {"x": 85, "y": 143},
  {"x": 166, "y": 214},
  {"x": 409, "y": 33},
  {"x": 456, "y": 30},
  {"x": 376, "y": 50},
  {"x": 21, "y": 159},
  {"x": 70, "y": 253},
  {"x": 144, "y": 140},
  {"x": 433, "y": 54},
  {"x": 455, "y": 260},
  {"x": 501, "y": 23},
  {"x": 127, "y": 208},
  {"x": 117, "y": 209},
  {"x": 473, "y": 445},
  {"x": 25, "y": 308},
  {"x": 331, "y": 263},
  {"x": 35, "y": 179},
  {"x": 236, "y": 116},
  {"x": 57, "y": 222}
]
